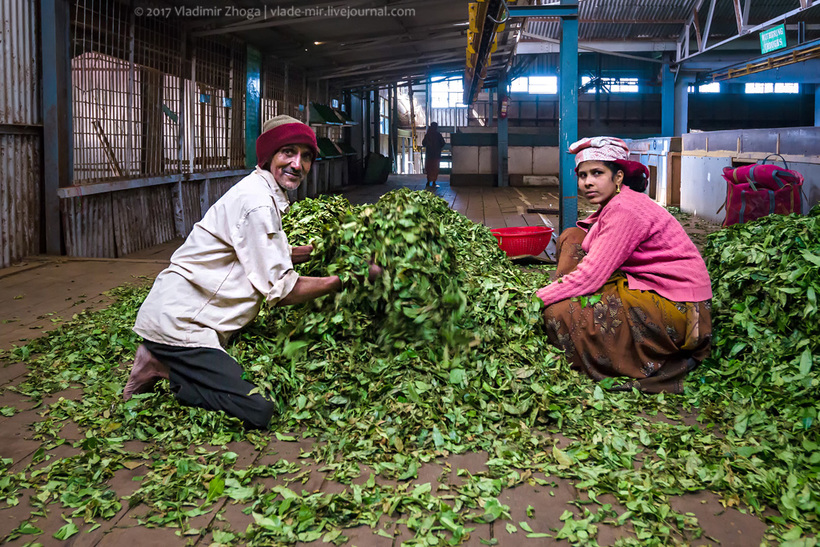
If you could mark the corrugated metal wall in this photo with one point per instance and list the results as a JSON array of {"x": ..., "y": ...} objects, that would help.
[
  {"x": 20, "y": 130},
  {"x": 118, "y": 223},
  {"x": 143, "y": 218},
  {"x": 87, "y": 226},
  {"x": 220, "y": 186},
  {"x": 190, "y": 204}
]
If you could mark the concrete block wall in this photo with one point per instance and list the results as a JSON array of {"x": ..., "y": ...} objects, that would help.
[
  {"x": 523, "y": 161},
  {"x": 545, "y": 160},
  {"x": 465, "y": 159},
  {"x": 520, "y": 160},
  {"x": 487, "y": 160}
]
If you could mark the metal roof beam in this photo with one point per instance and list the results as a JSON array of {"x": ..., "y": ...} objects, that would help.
[
  {"x": 401, "y": 73},
  {"x": 738, "y": 16},
  {"x": 569, "y": 9},
  {"x": 442, "y": 68},
  {"x": 783, "y": 57},
  {"x": 620, "y": 46},
  {"x": 692, "y": 20},
  {"x": 416, "y": 80},
  {"x": 746, "y": 9},
  {"x": 375, "y": 67},
  {"x": 274, "y": 21},
  {"x": 698, "y": 34},
  {"x": 422, "y": 32},
  {"x": 389, "y": 61},
  {"x": 748, "y": 31},
  {"x": 593, "y": 49},
  {"x": 709, "y": 18},
  {"x": 446, "y": 43}
]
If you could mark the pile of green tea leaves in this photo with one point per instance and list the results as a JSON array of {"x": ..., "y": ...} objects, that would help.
[
  {"x": 763, "y": 383},
  {"x": 450, "y": 314},
  {"x": 445, "y": 354}
]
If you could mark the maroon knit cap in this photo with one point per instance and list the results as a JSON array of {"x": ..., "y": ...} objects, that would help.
[{"x": 281, "y": 131}]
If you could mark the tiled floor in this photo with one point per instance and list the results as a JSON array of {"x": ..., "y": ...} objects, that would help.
[{"x": 39, "y": 293}]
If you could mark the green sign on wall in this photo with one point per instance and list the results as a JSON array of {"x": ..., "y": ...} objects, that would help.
[{"x": 773, "y": 39}]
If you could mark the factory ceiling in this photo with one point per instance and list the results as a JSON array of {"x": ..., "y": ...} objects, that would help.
[{"x": 355, "y": 43}]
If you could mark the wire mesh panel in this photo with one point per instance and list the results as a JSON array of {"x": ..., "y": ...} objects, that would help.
[
  {"x": 145, "y": 104},
  {"x": 284, "y": 90},
  {"x": 274, "y": 77},
  {"x": 296, "y": 94},
  {"x": 125, "y": 96},
  {"x": 211, "y": 76},
  {"x": 158, "y": 65},
  {"x": 104, "y": 140}
]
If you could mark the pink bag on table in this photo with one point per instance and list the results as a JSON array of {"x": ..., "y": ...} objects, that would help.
[{"x": 754, "y": 191}]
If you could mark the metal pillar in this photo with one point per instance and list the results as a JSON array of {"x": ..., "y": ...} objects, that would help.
[
  {"x": 667, "y": 100},
  {"x": 377, "y": 145},
  {"x": 367, "y": 100},
  {"x": 567, "y": 10},
  {"x": 428, "y": 103},
  {"x": 568, "y": 122},
  {"x": 816, "y": 105},
  {"x": 394, "y": 126},
  {"x": 252, "y": 105},
  {"x": 682, "y": 104},
  {"x": 503, "y": 135},
  {"x": 490, "y": 110},
  {"x": 58, "y": 165}
]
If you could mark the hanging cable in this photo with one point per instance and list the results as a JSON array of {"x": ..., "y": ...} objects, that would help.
[{"x": 506, "y": 12}]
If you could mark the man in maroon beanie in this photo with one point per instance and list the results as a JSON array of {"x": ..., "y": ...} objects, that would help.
[{"x": 235, "y": 258}]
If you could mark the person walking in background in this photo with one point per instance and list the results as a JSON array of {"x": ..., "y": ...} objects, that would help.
[{"x": 433, "y": 144}]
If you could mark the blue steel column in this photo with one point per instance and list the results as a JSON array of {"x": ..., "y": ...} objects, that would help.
[
  {"x": 503, "y": 134},
  {"x": 252, "y": 106},
  {"x": 667, "y": 100},
  {"x": 816, "y": 105},
  {"x": 568, "y": 122},
  {"x": 682, "y": 103},
  {"x": 58, "y": 165}
]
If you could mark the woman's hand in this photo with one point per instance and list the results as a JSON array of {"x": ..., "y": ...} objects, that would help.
[{"x": 540, "y": 293}]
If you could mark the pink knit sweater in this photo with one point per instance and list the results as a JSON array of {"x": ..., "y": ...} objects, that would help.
[{"x": 634, "y": 234}]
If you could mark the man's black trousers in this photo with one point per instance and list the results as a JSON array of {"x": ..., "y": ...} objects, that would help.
[{"x": 211, "y": 379}]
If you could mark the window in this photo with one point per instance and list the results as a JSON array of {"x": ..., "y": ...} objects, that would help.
[
  {"x": 714, "y": 87},
  {"x": 612, "y": 85},
  {"x": 334, "y": 103},
  {"x": 546, "y": 85},
  {"x": 769, "y": 87},
  {"x": 384, "y": 116},
  {"x": 447, "y": 93},
  {"x": 520, "y": 85}
]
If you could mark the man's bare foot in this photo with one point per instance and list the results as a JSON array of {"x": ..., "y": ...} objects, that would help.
[{"x": 145, "y": 372}]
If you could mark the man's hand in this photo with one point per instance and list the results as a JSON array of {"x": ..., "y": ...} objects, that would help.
[{"x": 300, "y": 254}]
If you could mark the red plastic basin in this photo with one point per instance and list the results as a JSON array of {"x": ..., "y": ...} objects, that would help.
[{"x": 524, "y": 240}]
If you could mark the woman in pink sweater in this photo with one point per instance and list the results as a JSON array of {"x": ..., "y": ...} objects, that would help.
[{"x": 645, "y": 314}]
